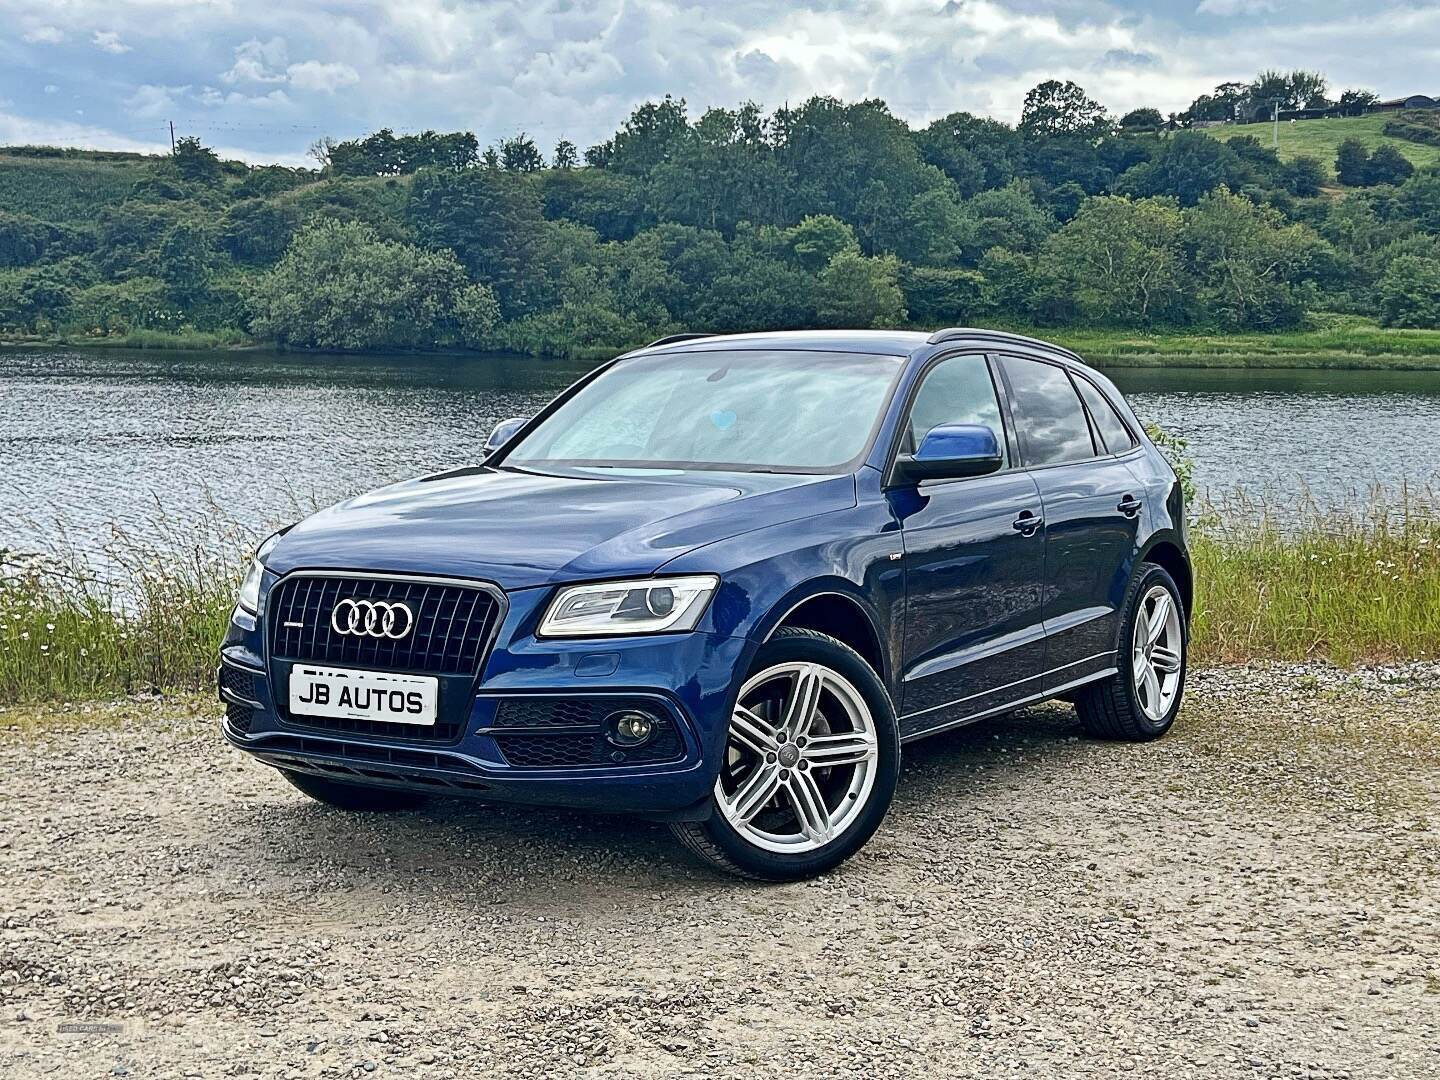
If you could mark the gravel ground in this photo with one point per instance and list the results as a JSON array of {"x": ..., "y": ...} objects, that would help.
[{"x": 1257, "y": 895}]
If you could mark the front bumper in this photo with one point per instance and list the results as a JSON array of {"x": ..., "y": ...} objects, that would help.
[{"x": 688, "y": 679}]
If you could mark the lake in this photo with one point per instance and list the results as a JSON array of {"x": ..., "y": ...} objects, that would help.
[{"x": 95, "y": 437}]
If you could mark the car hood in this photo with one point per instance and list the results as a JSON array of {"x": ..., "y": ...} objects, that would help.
[{"x": 526, "y": 528}]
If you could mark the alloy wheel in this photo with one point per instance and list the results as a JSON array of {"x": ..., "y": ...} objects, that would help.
[
  {"x": 1157, "y": 653},
  {"x": 801, "y": 758}
]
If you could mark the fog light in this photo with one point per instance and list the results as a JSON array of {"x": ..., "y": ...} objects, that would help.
[{"x": 629, "y": 728}]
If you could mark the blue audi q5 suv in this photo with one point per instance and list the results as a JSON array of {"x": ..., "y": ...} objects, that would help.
[{"x": 719, "y": 582}]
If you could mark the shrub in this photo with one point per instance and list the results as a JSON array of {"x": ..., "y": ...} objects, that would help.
[
  {"x": 341, "y": 287},
  {"x": 1410, "y": 293}
]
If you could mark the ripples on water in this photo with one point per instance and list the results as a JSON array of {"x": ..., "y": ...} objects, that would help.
[{"x": 92, "y": 438}]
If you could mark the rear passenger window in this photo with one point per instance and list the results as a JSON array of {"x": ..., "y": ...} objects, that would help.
[
  {"x": 1112, "y": 429},
  {"x": 956, "y": 391},
  {"x": 1048, "y": 415}
]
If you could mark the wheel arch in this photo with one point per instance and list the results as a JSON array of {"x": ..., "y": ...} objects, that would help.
[
  {"x": 1168, "y": 555},
  {"x": 840, "y": 614}
]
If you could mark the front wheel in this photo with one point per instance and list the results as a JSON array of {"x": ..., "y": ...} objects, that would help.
[
  {"x": 1141, "y": 700},
  {"x": 810, "y": 764}
]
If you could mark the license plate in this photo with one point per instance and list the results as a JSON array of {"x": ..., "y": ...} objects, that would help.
[{"x": 363, "y": 695}]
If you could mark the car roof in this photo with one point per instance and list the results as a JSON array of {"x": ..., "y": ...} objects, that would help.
[{"x": 907, "y": 343}]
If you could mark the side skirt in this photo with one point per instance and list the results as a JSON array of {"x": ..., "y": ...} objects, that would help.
[{"x": 1010, "y": 706}]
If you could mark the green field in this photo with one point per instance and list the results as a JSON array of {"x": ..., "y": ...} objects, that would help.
[
  {"x": 65, "y": 190},
  {"x": 1321, "y": 138}
]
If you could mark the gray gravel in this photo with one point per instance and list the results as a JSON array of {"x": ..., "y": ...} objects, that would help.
[{"x": 1257, "y": 895}]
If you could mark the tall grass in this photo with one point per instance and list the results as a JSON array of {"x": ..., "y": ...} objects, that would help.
[
  {"x": 1299, "y": 583},
  {"x": 1288, "y": 583},
  {"x": 150, "y": 619}
]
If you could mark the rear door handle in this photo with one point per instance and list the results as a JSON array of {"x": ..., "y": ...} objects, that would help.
[
  {"x": 1130, "y": 506},
  {"x": 1027, "y": 523}
]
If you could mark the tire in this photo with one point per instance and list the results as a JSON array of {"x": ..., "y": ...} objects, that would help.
[
  {"x": 344, "y": 796},
  {"x": 817, "y": 723},
  {"x": 1120, "y": 707}
]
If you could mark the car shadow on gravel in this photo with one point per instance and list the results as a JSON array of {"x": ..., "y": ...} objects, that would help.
[{"x": 556, "y": 858}]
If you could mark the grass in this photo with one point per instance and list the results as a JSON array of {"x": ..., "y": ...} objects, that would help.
[
  {"x": 1333, "y": 342},
  {"x": 65, "y": 190},
  {"x": 1298, "y": 584},
  {"x": 1321, "y": 138},
  {"x": 1348, "y": 587},
  {"x": 152, "y": 623}
]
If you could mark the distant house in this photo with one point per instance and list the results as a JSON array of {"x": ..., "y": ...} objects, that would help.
[{"x": 1414, "y": 101}]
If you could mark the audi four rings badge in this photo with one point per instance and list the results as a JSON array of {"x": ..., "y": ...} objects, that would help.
[{"x": 372, "y": 618}]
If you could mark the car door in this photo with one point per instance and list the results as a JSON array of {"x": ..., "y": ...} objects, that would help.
[
  {"x": 973, "y": 558},
  {"x": 1091, "y": 508}
]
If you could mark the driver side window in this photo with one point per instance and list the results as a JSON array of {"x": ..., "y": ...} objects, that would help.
[{"x": 957, "y": 390}]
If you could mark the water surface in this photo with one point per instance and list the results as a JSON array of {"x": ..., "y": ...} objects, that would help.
[{"x": 91, "y": 438}]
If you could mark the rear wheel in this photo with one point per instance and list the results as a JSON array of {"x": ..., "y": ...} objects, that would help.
[
  {"x": 810, "y": 763},
  {"x": 1141, "y": 700},
  {"x": 344, "y": 796}
]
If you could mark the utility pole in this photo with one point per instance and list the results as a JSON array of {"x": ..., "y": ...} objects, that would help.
[
  {"x": 172, "y": 138},
  {"x": 1275, "y": 116}
]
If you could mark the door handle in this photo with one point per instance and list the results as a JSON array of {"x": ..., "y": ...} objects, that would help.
[
  {"x": 1027, "y": 524},
  {"x": 1130, "y": 506}
]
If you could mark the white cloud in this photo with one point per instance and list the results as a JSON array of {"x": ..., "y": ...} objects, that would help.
[
  {"x": 1235, "y": 7},
  {"x": 109, "y": 41},
  {"x": 258, "y": 62},
  {"x": 43, "y": 35},
  {"x": 51, "y": 88},
  {"x": 151, "y": 101},
  {"x": 314, "y": 75}
]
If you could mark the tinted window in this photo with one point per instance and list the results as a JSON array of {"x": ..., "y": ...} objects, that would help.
[
  {"x": 956, "y": 391},
  {"x": 718, "y": 410},
  {"x": 1048, "y": 415},
  {"x": 1112, "y": 428}
]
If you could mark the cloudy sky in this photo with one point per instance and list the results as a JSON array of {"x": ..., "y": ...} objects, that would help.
[{"x": 260, "y": 79}]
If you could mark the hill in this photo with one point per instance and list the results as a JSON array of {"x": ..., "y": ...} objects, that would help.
[{"x": 1321, "y": 138}]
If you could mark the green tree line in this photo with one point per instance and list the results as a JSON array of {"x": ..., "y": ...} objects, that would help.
[{"x": 824, "y": 214}]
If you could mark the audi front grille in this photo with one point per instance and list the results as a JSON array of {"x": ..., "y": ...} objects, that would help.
[
  {"x": 451, "y": 627},
  {"x": 453, "y": 624}
]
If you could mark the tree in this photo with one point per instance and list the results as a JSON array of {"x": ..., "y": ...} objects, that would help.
[
  {"x": 1352, "y": 163},
  {"x": 942, "y": 297},
  {"x": 818, "y": 239},
  {"x": 854, "y": 291},
  {"x": 492, "y": 221},
  {"x": 185, "y": 262},
  {"x": 1303, "y": 176},
  {"x": 975, "y": 152},
  {"x": 565, "y": 155},
  {"x": 1188, "y": 165},
  {"x": 1056, "y": 108},
  {"x": 1389, "y": 166},
  {"x": 341, "y": 287},
  {"x": 649, "y": 136},
  {"x": 1358, "y": 102},
  {"x": 520, "y": 154},
  {"x": 1224, "y": 104},
  {"x": 1120, "y": 261},
  {"x": 1410, "y": 293},
  {"x": 195, "y": 162},
  {"x": 1142, "y": 120},
  {"x": 1247, "y": 262}
]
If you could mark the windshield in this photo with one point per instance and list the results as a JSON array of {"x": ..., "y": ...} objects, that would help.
[{"x": 743, "y": 411}]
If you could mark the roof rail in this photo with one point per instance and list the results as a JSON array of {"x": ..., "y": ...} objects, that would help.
[
  {"x": 668, "y": 338},
  {"x": 953, "y": 333}
]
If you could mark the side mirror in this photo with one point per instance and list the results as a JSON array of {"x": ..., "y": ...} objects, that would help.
[
  {"x": 502, "y": 432},
  {"x": 950, "y": 451}
]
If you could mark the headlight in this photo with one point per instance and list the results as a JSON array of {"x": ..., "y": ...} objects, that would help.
[
  {"x": 249, "y": 597},
  {"x": 629, "y": 607}
]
